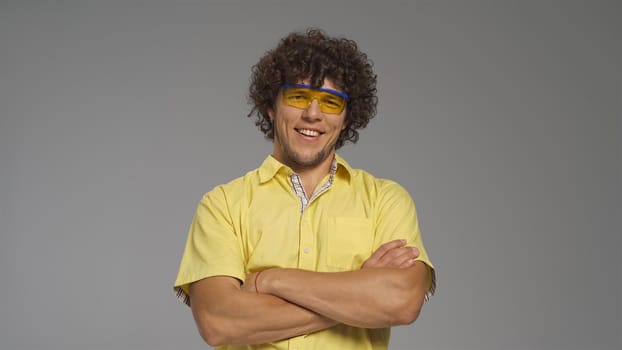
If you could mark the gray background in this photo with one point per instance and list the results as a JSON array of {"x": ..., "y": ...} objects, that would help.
[{"x": 502, "y": 118}]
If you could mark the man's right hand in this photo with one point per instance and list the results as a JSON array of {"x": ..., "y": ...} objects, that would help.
[{"x": 393, "y": 254}]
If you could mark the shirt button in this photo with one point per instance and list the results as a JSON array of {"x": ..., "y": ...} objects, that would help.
[{"x": 307, "y": 250}]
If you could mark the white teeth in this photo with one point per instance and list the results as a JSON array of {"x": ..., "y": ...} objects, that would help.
[{"x": 308, "y": 132}]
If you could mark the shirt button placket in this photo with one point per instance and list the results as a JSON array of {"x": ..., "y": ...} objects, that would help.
[{"x": 305, "y": 255}]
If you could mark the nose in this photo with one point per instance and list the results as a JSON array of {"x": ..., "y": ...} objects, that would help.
[{"x": 313, "y": 111}]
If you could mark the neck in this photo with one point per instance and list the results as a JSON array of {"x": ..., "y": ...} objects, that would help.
[
  {"x": 313, "y": 174},
  {"x": 311, "y": 177}
]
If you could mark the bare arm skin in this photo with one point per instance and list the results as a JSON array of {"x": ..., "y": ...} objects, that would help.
[
  {"x": 367, "y": 298},
  {"x": 389, "y": 289},
  {"x": 227, "y": 313}
]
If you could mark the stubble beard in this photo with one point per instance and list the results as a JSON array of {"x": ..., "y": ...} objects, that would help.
[{"x": 298, "y": 161}]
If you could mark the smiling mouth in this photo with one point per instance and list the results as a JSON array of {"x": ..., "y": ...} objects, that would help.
[{"x": 307, "y": 132}]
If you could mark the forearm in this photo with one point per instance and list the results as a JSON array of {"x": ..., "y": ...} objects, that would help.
[
  {"x": 233, "y": 316},
  {"x": 368, "y": 298}
]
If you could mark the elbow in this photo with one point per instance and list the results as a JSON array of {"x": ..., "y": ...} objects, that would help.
[
  {"x": 407, "y": 311},
  {"x": 212, "y": 338},
  {"x": 409, "y": 305},
  {"x": 213, "y": 332},
  {"x": 407, "y": 315}
]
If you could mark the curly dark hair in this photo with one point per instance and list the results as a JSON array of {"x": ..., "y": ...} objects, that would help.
[{"x": 315, "y": 56}]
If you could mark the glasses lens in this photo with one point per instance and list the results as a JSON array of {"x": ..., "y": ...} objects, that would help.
[
  {"x": 330, "y": 103},
  {"x": 300, "y": 97},
  {"x": 297, "y": 97}
]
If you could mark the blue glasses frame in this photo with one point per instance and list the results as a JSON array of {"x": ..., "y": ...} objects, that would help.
[{"x": 307, "y": 86}]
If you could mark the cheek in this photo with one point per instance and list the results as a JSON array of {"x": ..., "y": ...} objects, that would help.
[{"x": 343, "y": 123}]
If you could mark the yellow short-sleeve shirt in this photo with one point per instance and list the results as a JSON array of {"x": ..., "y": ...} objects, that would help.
[{"x": 258, "y": 221}]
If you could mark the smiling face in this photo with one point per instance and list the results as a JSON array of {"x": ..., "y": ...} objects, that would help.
[{"x": 305, "y": 138}]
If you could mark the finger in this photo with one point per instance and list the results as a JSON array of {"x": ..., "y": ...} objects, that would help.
[
  {"x": 247, "y": 285},
  {"x": 411, "y": 261},
  {"x": 398, "y": 256},
  {"x": 386, "y": 247},
  {"x": 400, "y": 253},
  {"x": 416, "y": 252},
  {"x": 412, "y": 256},
  {"x": 408, "y": 263},
  {"x": 249, "y": 282}
]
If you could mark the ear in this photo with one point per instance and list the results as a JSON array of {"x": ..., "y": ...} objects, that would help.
[{"x": 271, "y": 114}]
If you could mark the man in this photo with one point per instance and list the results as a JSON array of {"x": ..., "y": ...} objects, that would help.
[{"x": 306, "y": 252}]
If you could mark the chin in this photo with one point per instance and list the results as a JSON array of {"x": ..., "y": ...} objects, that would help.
[{"x": 312, "y": 160}]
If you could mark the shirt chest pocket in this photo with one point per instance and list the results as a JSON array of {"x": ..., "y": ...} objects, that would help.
[{"x": 349, "y": 242}]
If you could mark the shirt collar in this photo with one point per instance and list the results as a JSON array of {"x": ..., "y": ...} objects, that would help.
[{"x": 270, "y": 167}]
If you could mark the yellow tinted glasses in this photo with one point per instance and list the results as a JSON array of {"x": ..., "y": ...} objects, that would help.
[{"x": 301, "y": 95}]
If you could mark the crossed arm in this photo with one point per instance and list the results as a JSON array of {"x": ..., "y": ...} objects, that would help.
[{"x": 388, "y": 290}]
